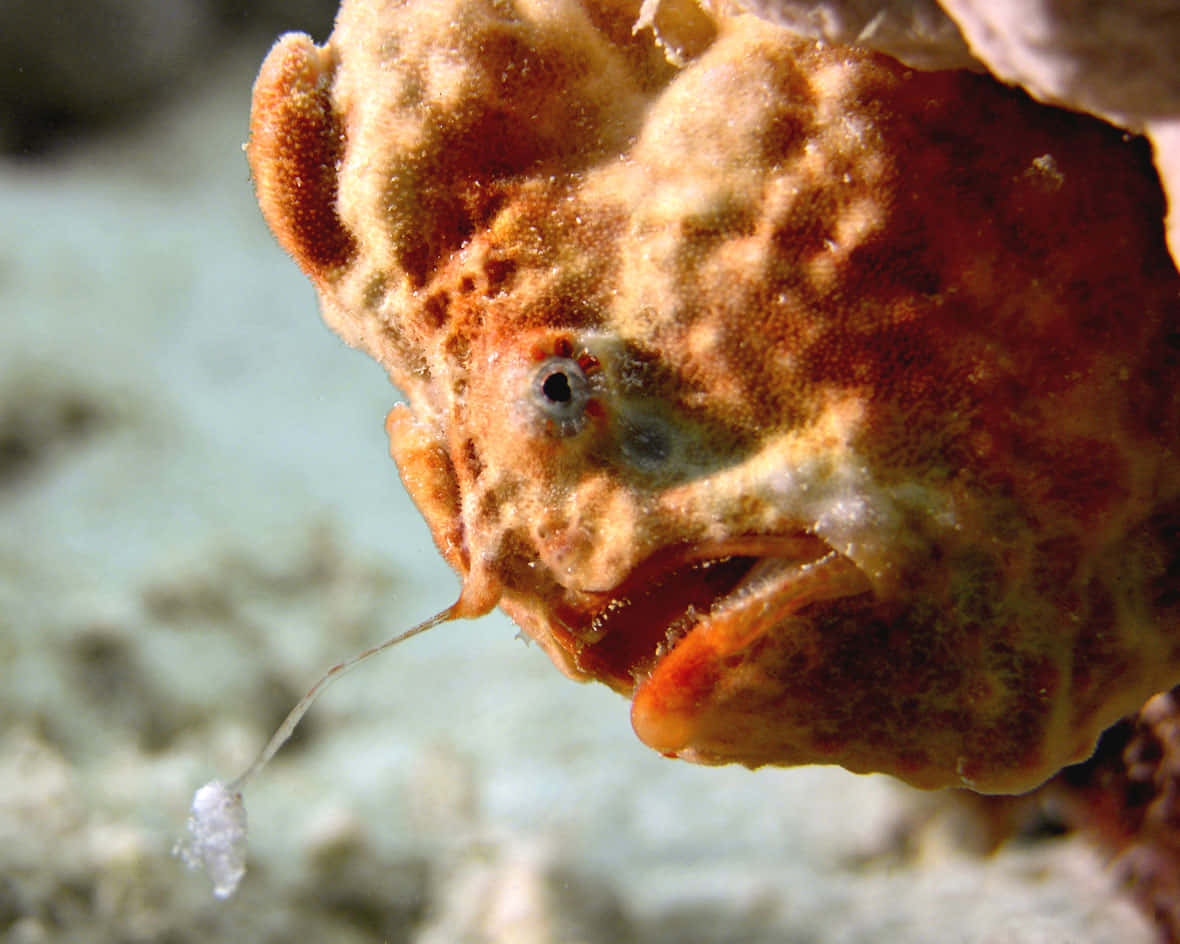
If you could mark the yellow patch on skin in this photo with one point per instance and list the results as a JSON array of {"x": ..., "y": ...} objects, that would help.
[{"x": 825, "y": 407}]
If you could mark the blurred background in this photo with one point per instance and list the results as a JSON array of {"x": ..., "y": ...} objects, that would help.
[
  {"x": 69, "y": 69},
  {"x": 198, "y": 516}
]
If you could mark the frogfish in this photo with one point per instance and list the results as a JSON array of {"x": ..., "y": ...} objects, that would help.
[{"x": 826, "y": 408}]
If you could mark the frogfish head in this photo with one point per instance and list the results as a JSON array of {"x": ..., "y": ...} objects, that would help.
[{"x": 825, "y": 408}]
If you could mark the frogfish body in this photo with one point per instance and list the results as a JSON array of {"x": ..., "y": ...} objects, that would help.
[{"x": 826, "y": 408}]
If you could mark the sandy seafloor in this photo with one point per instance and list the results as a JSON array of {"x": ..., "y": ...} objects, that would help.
[{"x": 198, "y": 515}]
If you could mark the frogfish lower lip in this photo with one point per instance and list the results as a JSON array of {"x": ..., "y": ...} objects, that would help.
[{"x": 686, "y": 609}]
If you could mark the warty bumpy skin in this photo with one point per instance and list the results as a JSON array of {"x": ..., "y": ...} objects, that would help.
[{"x": 825, "y": 407}]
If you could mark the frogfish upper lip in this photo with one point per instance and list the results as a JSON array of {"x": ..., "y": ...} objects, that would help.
[{"x": 733, "y": 590}]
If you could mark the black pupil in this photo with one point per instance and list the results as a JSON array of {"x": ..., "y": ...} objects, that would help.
[{"x": 556, "y": 388}]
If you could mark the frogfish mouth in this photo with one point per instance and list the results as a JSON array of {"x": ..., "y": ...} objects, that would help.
[
  {"x": 663, "y": 633},
  {"x": 827, "y": 408}
]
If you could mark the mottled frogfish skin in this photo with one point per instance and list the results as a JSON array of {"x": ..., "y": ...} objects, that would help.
[{"x": 824, "y": 407}]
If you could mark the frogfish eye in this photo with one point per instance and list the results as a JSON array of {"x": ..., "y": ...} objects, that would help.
[{"x": 560, "y": 394}]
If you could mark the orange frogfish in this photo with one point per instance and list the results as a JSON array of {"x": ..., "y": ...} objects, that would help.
[{"x": 826, "y": 408}]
